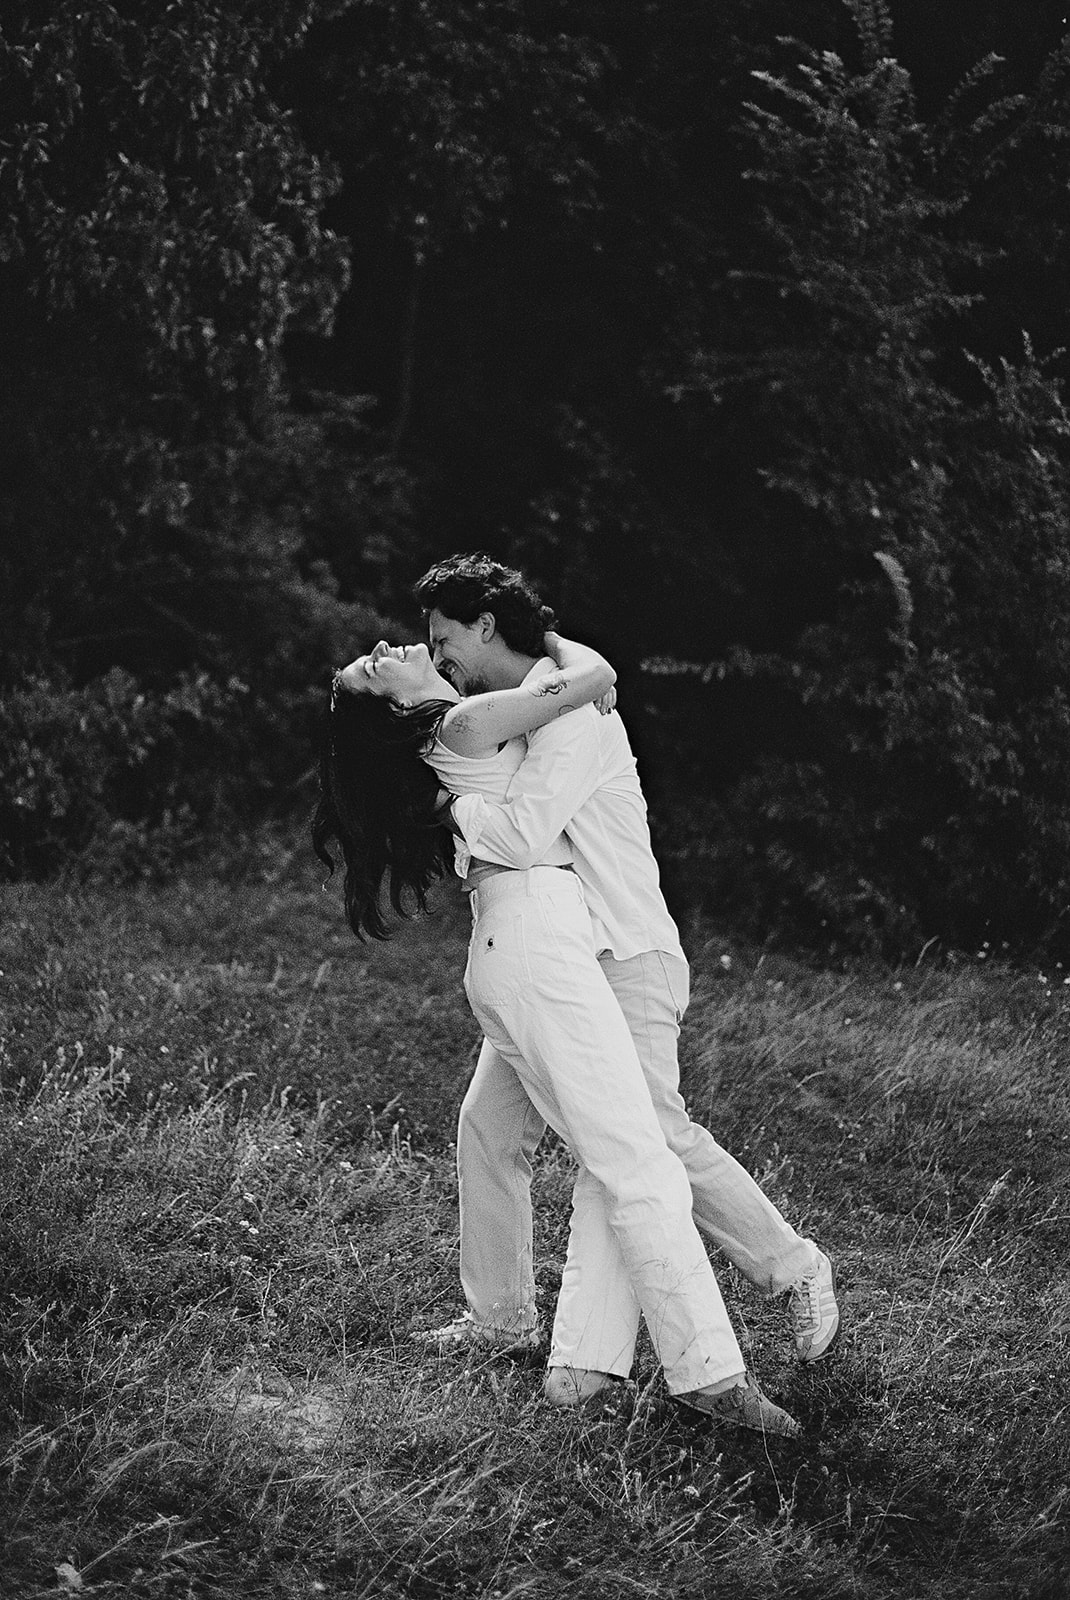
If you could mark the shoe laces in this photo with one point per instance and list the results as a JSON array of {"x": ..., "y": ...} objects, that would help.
[{"x": 806, "y": 1299}]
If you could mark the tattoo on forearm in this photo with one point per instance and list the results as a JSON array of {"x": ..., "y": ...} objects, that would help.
[{"x": 548, "y": 685}]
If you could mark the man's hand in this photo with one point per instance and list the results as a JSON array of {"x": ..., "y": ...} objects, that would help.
[
  {"x": 443, "y": 813},
  {"x": 606, "y": 702}
]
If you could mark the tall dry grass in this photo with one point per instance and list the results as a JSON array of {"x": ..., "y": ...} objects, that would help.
[{"x": 226, "y": 1197}]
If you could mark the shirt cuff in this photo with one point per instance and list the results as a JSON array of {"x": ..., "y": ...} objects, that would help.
[{"x": 469, "y": 813}]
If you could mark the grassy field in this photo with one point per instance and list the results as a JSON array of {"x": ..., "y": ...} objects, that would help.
[{"x": 227, "y": 1196}]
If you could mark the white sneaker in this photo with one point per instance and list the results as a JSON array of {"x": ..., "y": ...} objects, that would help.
[
  {"x": 814, "y": 1312},
  {"x": 465, "y": 1333}
]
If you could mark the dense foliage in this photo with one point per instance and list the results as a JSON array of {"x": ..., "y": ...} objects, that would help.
[
  {"x": 161, "y": 231},
  {"x": 693, "y": 311}
]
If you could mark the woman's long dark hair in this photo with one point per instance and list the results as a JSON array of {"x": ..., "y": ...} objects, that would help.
[{"x": 377, "y": 800}]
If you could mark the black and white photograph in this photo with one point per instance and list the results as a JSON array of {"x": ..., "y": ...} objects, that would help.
[{"x": 534, "y": 800}]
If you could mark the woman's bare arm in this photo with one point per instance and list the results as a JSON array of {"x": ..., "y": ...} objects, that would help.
[
  {"x": 481, "y": 723},
  {"x": 567, "y": 654}
]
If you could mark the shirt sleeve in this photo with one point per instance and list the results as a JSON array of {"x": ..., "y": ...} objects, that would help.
[{"x": 560, "y": 771}]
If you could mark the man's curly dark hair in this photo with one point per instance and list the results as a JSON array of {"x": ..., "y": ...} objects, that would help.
[{"x": 465, "y": 585}]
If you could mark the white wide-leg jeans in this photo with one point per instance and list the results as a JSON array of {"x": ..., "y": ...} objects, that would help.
[
  {"x": 545, "y": 1006},
  {"x": 498, "y": 1132}
]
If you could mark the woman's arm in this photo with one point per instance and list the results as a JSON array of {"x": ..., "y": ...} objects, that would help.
[
  {"x": 484, "y": 721},
  {"x": 567, "y": 654}
]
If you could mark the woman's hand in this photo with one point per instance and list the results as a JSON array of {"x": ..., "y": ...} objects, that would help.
[
  {"x": 551, "y": 643},
  {"x": 559, "y": 649}
]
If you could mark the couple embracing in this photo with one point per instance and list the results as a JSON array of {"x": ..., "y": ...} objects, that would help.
[{"x": 497, "y": 751}]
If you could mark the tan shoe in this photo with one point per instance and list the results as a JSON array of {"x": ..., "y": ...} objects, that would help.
[
  {"x": 743, "y": 1406},
  {"x": 575, "y": 1388}
]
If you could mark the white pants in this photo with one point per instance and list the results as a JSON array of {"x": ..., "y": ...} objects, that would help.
[
  {"x": 498, "y": 1132},
  {"x": 546, "y": 1008}
]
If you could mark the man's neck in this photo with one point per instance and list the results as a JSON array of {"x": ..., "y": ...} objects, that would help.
[{"x": 508, "y": 670}]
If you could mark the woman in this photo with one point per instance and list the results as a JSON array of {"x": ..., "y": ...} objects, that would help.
[{"x": 397, "y": 729}]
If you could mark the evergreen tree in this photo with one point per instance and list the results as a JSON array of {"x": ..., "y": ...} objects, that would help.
[{"x": 915, "y": 785}]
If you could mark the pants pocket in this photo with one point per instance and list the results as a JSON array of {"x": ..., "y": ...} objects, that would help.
[
  {"x": 677, "y": 982},
  {"x": 497, "y": 959}
]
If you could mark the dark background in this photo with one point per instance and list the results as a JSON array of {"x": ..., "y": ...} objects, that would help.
[{"x": 689, "y": 311}]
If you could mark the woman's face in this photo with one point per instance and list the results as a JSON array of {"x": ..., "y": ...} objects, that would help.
[{"x": 403, "y": 673}]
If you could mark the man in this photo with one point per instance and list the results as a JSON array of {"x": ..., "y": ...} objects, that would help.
[{"x": 579, "y": 780}]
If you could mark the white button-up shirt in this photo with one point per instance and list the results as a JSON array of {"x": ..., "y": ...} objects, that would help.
[{"x": 579, "y": 779}]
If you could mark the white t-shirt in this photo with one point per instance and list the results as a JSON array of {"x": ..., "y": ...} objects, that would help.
[{"x": 488, "y": 775}]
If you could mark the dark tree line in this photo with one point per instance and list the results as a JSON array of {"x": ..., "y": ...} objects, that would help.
[{"x": 741, "y": 327}]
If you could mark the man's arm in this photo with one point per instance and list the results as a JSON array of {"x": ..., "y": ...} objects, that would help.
[{"x": 561, "y": 770}]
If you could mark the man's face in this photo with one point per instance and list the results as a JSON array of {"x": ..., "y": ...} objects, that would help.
[{"x": 459, "y": 650}]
